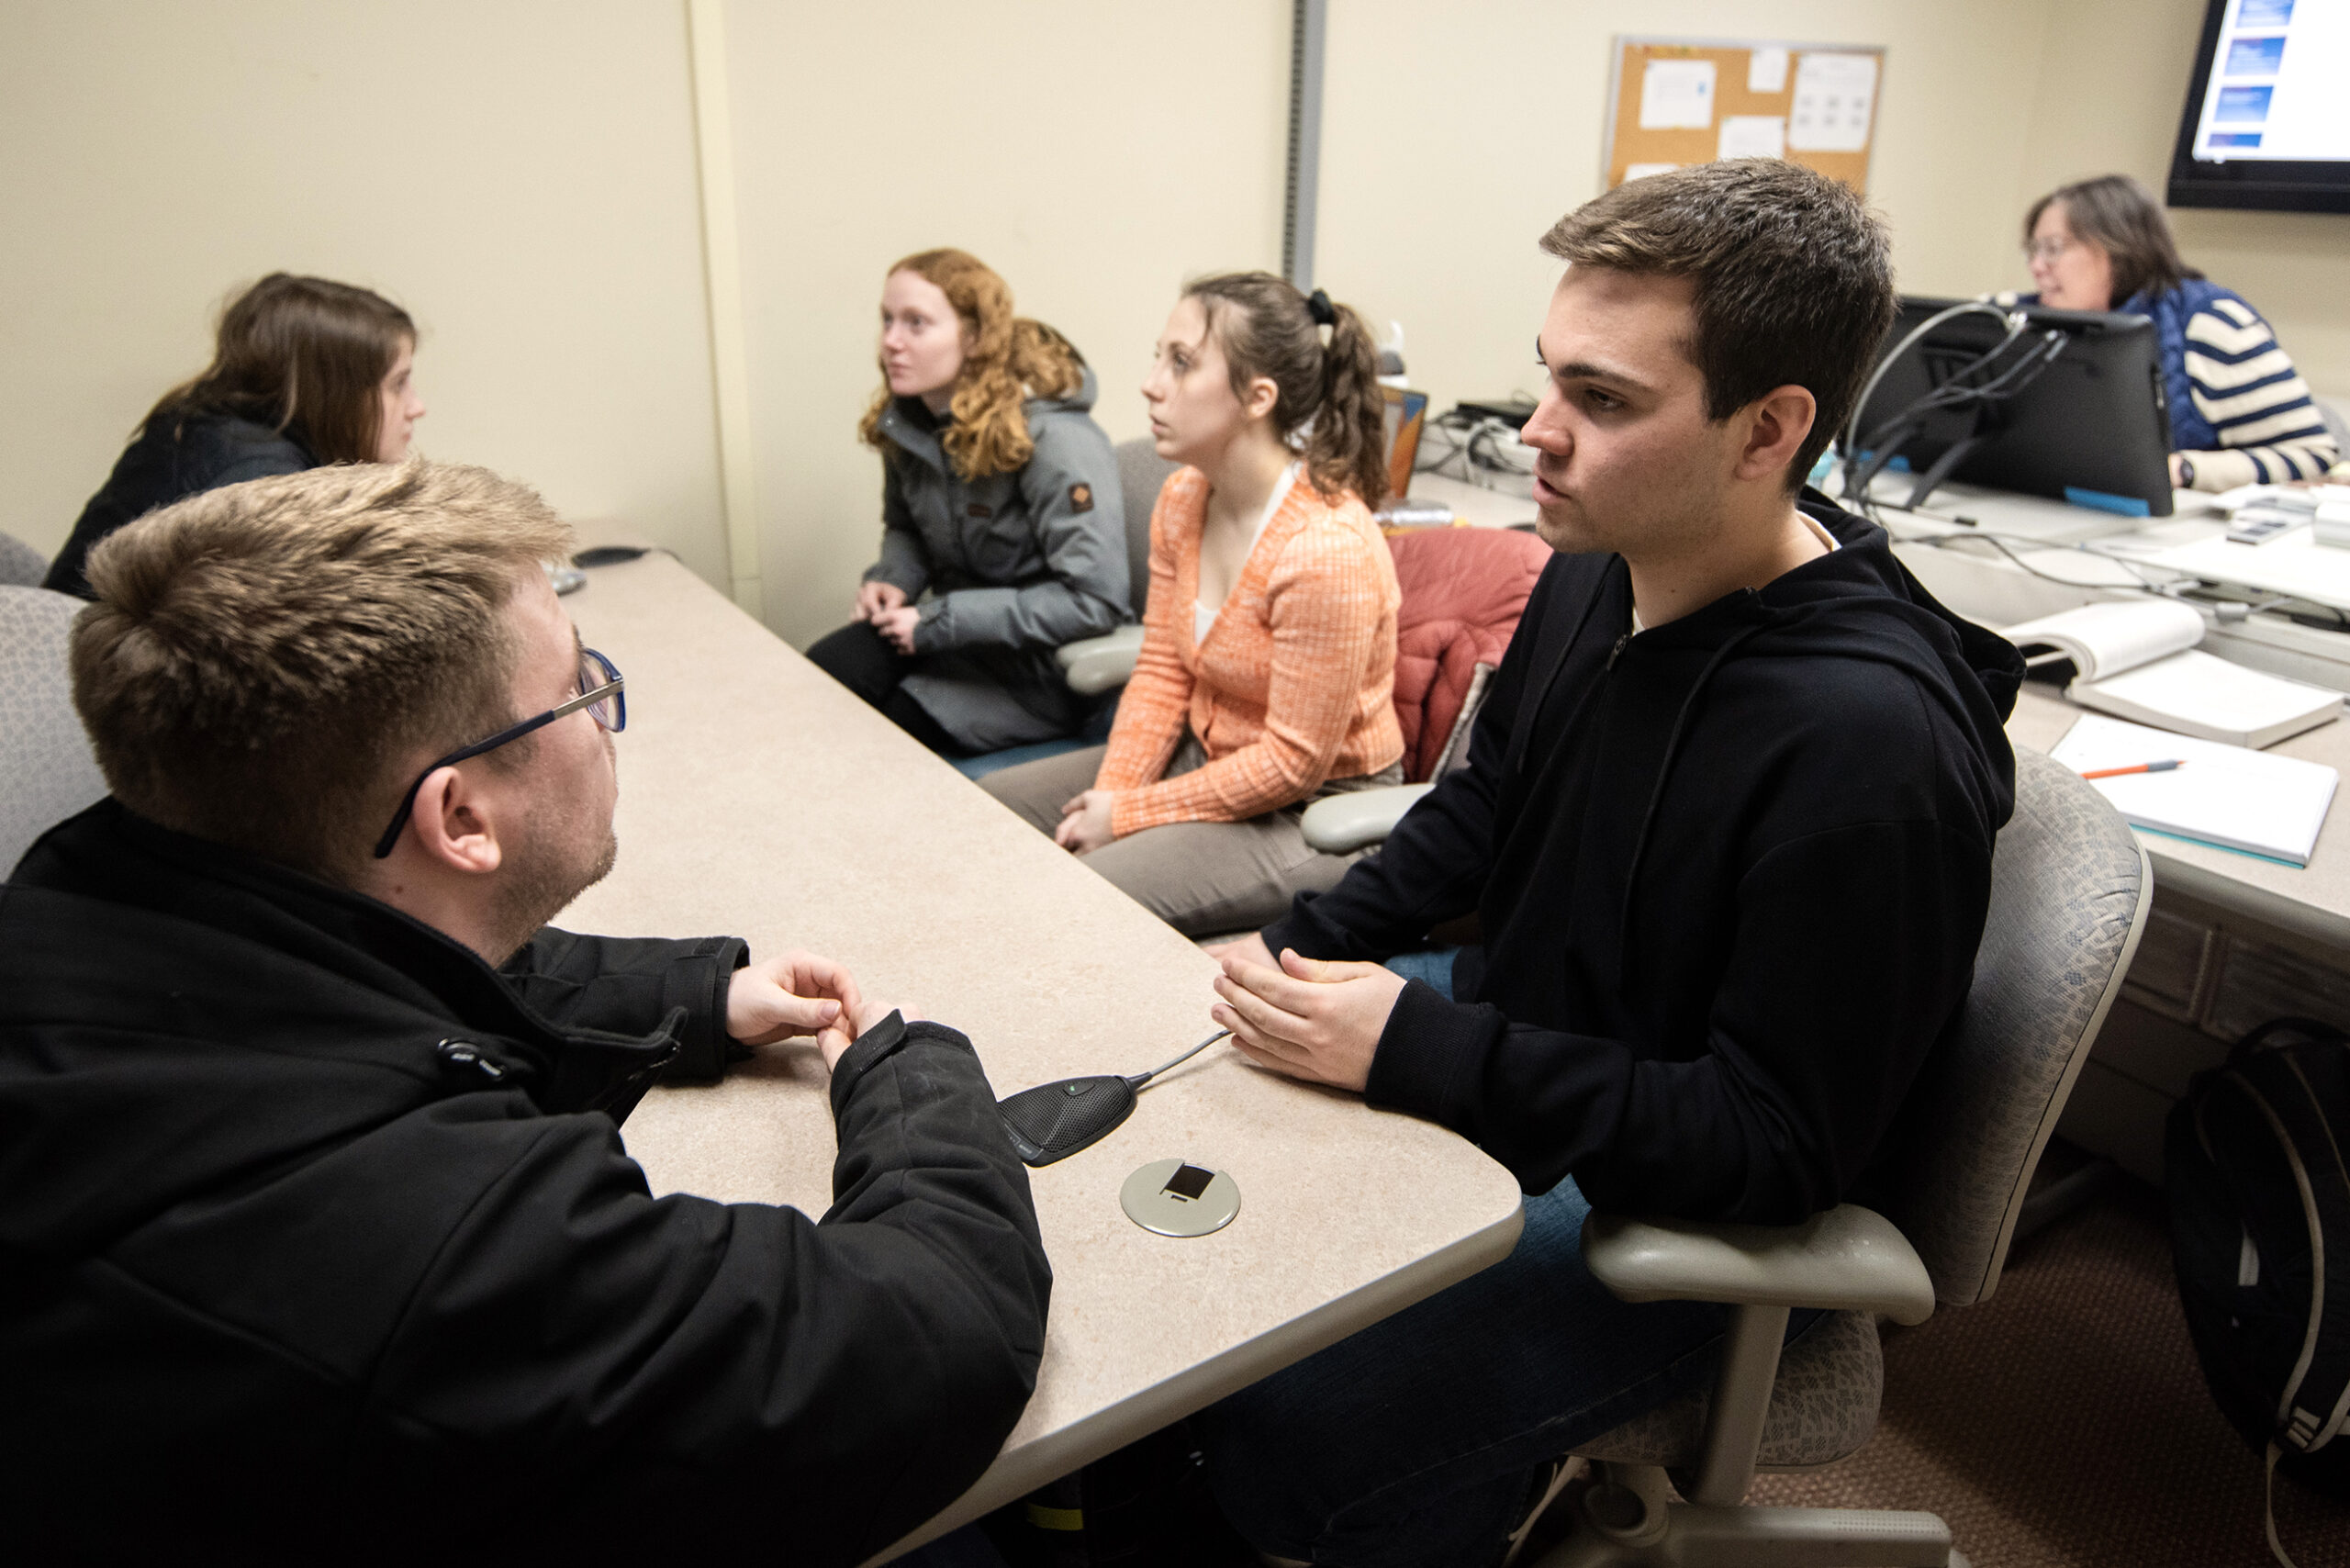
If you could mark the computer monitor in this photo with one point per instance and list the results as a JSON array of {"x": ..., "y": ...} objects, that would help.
[
  {"x": 2264, "y": 123},
  {"x": 2071, "y": 406}
]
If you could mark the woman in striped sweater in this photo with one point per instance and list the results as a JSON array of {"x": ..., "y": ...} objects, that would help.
[
  {"x": 2240, "y": 414},
  {"x": 1267, "y": 670}
]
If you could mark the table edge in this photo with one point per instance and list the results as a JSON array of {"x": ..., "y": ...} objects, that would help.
[{"x": 1017, "y": 1473}]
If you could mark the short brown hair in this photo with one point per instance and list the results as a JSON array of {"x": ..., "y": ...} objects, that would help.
[
  {"x": 304, "y": 356},
  {"x": 2119, "y": 217},
  {"x": 263, "y": 660},
  {"x": 1330, "y": 390},
  {"x": 1793, "y": 278}
]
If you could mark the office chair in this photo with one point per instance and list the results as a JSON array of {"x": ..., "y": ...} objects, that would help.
[
  {"x": 1096, "y": 665},
  {"x": 2068, "y": 899},
  {"x": 47, "y": 773},
  {"x": 21, "y": 566}
]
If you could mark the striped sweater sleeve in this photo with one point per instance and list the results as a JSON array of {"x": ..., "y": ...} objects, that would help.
[{"x": 2243, "y": 383}]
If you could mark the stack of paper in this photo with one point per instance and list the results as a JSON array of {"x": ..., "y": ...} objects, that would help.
[{"x": 2237, "y": 799}]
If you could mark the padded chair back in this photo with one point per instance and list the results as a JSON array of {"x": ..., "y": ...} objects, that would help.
[
  {"x": 47, "y": 773},
  {"x": 2069, "y": 895},
  {"x": 1464, "y": 589},
  {"x": 21, "y": 566},
  {"x": 1142, "y": 473}
]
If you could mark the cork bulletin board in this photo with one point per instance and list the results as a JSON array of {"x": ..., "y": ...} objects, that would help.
[{"x": 1670, "y": 102}]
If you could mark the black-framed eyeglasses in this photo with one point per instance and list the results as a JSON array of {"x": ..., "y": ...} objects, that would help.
[{"x": 601, "y": 692}]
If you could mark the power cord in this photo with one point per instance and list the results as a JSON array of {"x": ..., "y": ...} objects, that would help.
[
  {"x": 1973, "y": 385},
  {"x": 1469, "y": 448}
]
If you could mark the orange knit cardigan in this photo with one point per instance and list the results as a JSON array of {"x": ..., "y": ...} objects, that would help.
[{"x": 1294, "y": 684}]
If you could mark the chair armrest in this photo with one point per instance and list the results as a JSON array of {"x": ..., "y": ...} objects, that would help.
[
  {"x": 1096, "y": 663},
  {"x": 1340, "y": 824},
  {"x": 1850, "y": 1259}
]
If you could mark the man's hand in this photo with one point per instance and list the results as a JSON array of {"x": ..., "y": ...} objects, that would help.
[
  {"x": 1309, "y": 1018},
  {"x": 874, "y": 597},
  {"x": 791, "y": 993},
  {"x": 897, "y": 626},
  {"x": 1248, "y": 949},
  {"x": 1085, "y": 821},
  {"x": 853, "y": 1022}
]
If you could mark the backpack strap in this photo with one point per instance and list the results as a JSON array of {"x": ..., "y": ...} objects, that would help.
[
  {"x": 2266, "y": 1037},
  {"x": 2301, "y": 1092}
]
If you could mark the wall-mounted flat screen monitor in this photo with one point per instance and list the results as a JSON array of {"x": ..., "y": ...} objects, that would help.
[{"x": 2268, "y": 119}]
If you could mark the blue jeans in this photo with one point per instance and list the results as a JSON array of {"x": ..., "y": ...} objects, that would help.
[{"x": 1424, "y": 1439}]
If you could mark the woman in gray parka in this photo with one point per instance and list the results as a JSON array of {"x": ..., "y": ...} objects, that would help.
[{"x": 999, "y": 500}]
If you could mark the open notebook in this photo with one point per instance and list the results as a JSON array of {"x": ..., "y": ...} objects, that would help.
[
  {"x": 2137, "y": 659},
  {"x": 2227, "y": 795}
]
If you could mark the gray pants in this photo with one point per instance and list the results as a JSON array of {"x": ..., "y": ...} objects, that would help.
[{"x": 1202, "y": 878}]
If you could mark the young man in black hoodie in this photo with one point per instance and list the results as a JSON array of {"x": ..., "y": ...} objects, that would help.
[
  {"x": 317, "y": 1239},
  {"x": 1727, "y": 827}
]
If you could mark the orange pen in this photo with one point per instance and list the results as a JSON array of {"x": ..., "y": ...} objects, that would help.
[{"x": 2135, "y": 767}]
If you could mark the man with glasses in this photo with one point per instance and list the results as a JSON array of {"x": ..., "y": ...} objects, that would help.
[{"x": 320, "y": 1241}]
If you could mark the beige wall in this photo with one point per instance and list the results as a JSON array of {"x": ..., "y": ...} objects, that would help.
[
  {"x": 1095, "y": 154},
  {"x": 1464, "y": 140},
  {"x": 521, "y": 176}
]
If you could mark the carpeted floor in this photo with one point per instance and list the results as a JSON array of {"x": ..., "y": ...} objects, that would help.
[{"x": 2065, "y": 1424}]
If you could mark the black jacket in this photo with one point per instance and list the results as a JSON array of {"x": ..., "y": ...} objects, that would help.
[
  {"x": 313, "y": 1247},
  {"x": 170, "y": 459},
  {"x": 1731, "y": 873}
]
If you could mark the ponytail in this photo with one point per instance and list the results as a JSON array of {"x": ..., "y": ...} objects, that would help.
[
  {"x": 1329, "y": 390},
  {"x": 1347, "y": 448}
]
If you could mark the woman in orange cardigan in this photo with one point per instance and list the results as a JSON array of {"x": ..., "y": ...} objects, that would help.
[{"x": 1267, "y": 662}]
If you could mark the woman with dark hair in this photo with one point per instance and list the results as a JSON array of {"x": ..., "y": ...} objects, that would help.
[
  {"x": 1267, "y": 662},
  {"x": 1000, "y": 498},
  {"x": 305, "y": 371},
  {"x": 2240, "y": 414}
]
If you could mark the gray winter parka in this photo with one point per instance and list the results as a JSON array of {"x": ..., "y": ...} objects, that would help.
[{"x": 1015, "y": 564}]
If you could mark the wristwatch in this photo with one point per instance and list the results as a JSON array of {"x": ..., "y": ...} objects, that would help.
[{"x": 2186, "y": 472}]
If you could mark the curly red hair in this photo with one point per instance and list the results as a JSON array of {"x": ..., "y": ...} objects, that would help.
[{"x": 1007, "y": 359}]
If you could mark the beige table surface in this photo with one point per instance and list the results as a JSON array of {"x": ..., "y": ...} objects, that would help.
[
  {"x": 2312, "y": 900},
  {"x": 760, "y": 799}
]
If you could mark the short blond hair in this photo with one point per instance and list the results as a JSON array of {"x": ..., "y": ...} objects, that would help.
[{"x": 264, "y": 661}]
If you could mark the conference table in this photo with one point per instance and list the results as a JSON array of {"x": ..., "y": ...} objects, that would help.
[{"x": 761, "y": 800}]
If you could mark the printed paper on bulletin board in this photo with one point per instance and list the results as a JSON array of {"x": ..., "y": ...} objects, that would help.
[{"x": 1676, "y": 103}]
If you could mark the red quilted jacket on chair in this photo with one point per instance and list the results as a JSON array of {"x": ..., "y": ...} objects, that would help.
[{"x": 1463, "y": 590}]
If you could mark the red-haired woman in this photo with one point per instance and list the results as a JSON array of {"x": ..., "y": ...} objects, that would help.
[
  {"x": 999, "y": 499},
  {"x": 1267, "y": 664},
  {"x": 304, "y": 371}
]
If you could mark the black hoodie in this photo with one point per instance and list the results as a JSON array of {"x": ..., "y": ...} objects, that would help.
[
  {"x": 1731, "y": 874},
  {"x": 319, "y": 1244}
]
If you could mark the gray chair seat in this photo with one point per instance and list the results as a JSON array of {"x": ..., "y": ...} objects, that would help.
[
  {"x": 47, "y": 772},
  {"x": 21, "y": 566},
  {"x": 1823, "y": 1406}
]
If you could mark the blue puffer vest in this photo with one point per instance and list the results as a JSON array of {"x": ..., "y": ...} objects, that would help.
[{"x": 2170, "y": 311}]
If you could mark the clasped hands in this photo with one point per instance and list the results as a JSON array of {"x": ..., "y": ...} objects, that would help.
[
  {"x": 883, "y": 607},
  {"x": 1085, "y": 821},
  {"x": 1310, "y": 1018},
  {"x": 794, "y": 994}
]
